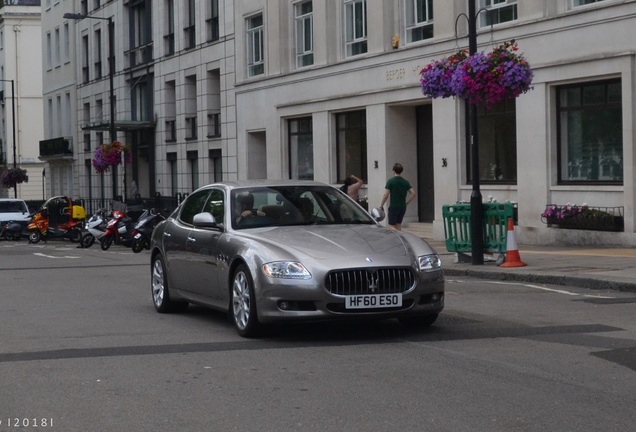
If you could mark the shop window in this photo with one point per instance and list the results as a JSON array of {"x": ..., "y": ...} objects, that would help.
[
  {"x": 301, "y": 149},
  {"x": 351, "y": 143}
]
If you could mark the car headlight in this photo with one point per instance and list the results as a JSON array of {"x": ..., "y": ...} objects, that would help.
[
  {"x": 428, "y": 263},
  {"x": 286, "y": 270}
]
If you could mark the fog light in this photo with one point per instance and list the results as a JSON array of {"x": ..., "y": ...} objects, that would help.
[
  {"x": 436, "y": 298},
  {"x": 283, "y": 305}
]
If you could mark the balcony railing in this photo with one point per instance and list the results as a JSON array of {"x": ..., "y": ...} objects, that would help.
[{"x": 60, "y": 146}]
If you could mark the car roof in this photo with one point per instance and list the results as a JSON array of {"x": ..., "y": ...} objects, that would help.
[{"x": 239, "y": 184}]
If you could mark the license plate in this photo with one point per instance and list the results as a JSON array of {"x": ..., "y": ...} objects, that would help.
[
  {"x": 137, "y": 236},
  {"x": 373, "y": 301}
]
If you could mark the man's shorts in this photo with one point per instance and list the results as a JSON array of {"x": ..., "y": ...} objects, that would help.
[{"x": 396, "y": 214}]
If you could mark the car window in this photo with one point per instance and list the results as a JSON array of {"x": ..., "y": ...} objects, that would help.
[
  {"x": 193, "y": 205},
  {"x": 216, "y": 205},
  {"x": 12, "y": 207},
  {"x": 293, "y": 205}
]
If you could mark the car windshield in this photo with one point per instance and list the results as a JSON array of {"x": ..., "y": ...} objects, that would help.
[
  {"x": 12, "y": 207},
  {"x": 294, "y": 205}
]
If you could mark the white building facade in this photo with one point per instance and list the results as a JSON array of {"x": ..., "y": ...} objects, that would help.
[
  {"x": 329, "y": 89},
  {"x": 170, "y": 103},
  {"x": 20, "y": 66}
]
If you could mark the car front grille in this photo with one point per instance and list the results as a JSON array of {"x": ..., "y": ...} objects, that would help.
[{"x": 370, "y": 281}]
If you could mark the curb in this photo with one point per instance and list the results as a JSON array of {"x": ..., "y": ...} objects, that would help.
[{"x": 575, "y": 281}]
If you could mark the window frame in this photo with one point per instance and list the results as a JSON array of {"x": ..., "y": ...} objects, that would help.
[
  {"x": 294, "y": 141},
  {"x": 489, "y": 18},
  {"x": 355, "y": 44},
  {"x": 304, "y": 34},
  {"x": 255, "y": 45},
  {"x": 411, "y": 23},
  {"x": 560, "y": 109}
]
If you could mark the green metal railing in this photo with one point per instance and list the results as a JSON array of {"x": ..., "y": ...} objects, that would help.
[{"x": 495, "y": 225}]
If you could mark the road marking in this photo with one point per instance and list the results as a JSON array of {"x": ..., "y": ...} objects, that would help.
[
  {"x": 54, "y": 257},
  {"x": 542, "y": 288},
  {"x": 558, "y": 291}
]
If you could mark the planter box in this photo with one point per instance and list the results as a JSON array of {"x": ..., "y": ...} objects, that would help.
[{"x": 591, "y": 218}]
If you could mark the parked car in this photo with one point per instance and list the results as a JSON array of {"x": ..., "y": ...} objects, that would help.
[
  {"x": 290, "y": 251},
  {"x": 14, "y": 210}
]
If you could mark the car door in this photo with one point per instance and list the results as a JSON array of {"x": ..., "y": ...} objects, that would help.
[
  {"x": 175, "y": 238},
  {"x": 203, "y": 253}
]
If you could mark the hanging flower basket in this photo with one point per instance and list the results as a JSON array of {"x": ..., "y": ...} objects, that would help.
[
  {"x": 13, "y": 176},
  {"x": 107, "y": 155},
  {"x": 436, "y": 78},
  {"x": 480, "y": 78}
]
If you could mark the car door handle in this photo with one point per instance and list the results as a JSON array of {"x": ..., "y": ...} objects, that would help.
[
  {"x": 165, "y": 234},
  {"x": 192, "y": 239}
]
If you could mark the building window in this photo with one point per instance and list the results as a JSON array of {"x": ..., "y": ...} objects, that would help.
[
  {"x": 419, "y": 20},
  {"x": 140, "y": 34},
  {"x": 590, "y": 132},
  {"x": 172, "y": 170},
  {"x": 301, "y": 149},
  {"x": 168, "y": 39},
  {"x": 498, "y": 11},
  {"x": 255, "y": 46},
  {"x": 214, "y": 103},
  {"x": 190, "y": 27},
  {"x": 351, "y": 143},
  {"x": 212, "y": 22},
  {"x": 67, "y": 43},
  {"x": 304, "y": 34},
  {"x": 87, "y": 143},
  {"x": 170, "y": 111},
  {"x": 85, "y": 53},
  {"x": 49, "y": 51},
  {"x": 98, "y": 54},
  {"x": 191, "y": 107},
  {"x": 141, "y": 101},
  {"x": 497, "y": 144},
  {"x": 58, "y": 44},
  {"x": 193, "y": 160},
  {"x": 355, "y": 27},
  {"x": 584, "y": 2},
  {"x": 216, "y": 165}
]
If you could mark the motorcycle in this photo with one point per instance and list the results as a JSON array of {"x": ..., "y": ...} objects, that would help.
[
  {"x": 95, "y": 227},
  {"x": 11, "y": 230},
  {"x": 57, "y": 218},
  {"x": 143, "y": 229},
  {"x": 118, "y": 230}
]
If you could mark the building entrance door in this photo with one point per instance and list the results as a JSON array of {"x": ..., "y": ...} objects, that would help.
[{"x": 425, "y": 166}]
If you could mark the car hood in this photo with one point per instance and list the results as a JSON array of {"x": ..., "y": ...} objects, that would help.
[
  {"x": 14, "y": 216},
  {"x": 332, "y": 241}
]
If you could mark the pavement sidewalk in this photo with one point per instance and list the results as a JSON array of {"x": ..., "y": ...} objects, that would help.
[{"x": 584, "y": 267}]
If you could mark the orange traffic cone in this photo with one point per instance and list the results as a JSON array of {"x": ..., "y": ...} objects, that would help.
[{"x": 513, "y": 259}]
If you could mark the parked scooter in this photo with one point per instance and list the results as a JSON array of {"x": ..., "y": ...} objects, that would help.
[
  {"x": 57, "y": 218},
  {"x": 118, "y": 230},
  {"x": 143, "y": 229},
  {"x": 11, "y": 230},
  {"x": 95, "y": 229}
]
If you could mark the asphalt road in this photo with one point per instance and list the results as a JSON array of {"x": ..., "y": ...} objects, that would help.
[{"x": 82, "y": 349}]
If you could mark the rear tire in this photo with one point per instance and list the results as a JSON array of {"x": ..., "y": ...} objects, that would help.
[
  {"x": 75, "y": 235},
  {"x": 159, "y": 288},
  {"x": 244, "y": 303},
  {"x": 138, "y": 245}
]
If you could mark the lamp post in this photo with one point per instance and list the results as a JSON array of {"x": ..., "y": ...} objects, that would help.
[
  {"x": 111, "y": 78},
  {"x": 15, "y": 157}
]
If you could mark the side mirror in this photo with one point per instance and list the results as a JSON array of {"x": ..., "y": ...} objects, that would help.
[
  {"x": 205, "y": 220},
  {"x": 377, "y": 214}
]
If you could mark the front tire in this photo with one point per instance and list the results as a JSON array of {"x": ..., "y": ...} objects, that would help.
[
  {"x": 107, "y": 240},
  {"x": 160, "y": 292},
  {"x": 244, "y": 303},
  {"x": 87, "y": 240},
  {"x": 35, "y": 236}
]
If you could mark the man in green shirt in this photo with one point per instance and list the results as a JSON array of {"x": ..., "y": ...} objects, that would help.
[{"x": 401, "y": 194}]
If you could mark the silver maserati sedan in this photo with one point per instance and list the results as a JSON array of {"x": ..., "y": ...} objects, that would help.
[{"x": 272, "y": 251}]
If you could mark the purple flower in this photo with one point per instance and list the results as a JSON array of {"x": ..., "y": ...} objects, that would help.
[{"x": 13, "y": 176}]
